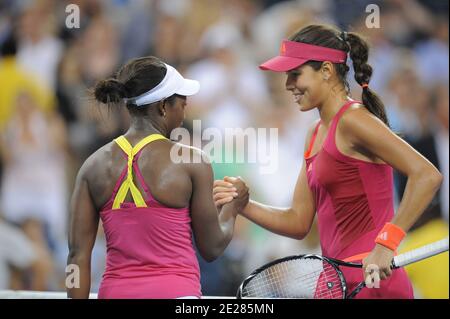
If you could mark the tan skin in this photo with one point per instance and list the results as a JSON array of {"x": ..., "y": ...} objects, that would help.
[
  {"x": 174, "y": 185},
  {"x": 360, "y": 135}
]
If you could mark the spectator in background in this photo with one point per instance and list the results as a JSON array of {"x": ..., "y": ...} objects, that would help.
[
  {"x": 429, "y": 136},
  {"x": 233, "y": 90},
  {"x": 275, "y": 23},
  {"x": 34, "y": 192},
  {"x": 39, "y": 49},
  {"x": 400, "y": 99},
  {"x": 33, "y": 150},
  {"x": 432, "y": 55},
  {"x": 14, "y": 79},
  {"x": 16, "y": 251},
  {"x": 441, "y": 108},
  {"x": 99, "y": 53},
  {"x": 140, "y": 21}
]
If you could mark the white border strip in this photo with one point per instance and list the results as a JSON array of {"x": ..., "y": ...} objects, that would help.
[{"x": 25, "y": 294}]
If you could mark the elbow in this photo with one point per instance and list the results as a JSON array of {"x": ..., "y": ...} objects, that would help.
[
  {"x": 433, "y": 177},
  {"x": 73, "y": 253},
  {"x": 211, "y": 255},
  {"x": 301, "y": 231},
  {"x": 78, "y": 257},
  {"x": 212, "y": 252},
  {"x": 427, "y": 176},
  {"x": 301, "y": 234},
  {"x": 437, "y": 179}
]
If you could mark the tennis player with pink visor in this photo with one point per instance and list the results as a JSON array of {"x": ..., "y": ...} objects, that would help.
[
  {"x": 347, "y": 173},
  {"x": 150, "y": 206}
]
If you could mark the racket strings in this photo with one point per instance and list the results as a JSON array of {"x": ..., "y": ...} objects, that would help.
[
  {"x": 273, "y": 288},
  {"x": 273, "y": 283},
  {"x": 298, "y": 278}
]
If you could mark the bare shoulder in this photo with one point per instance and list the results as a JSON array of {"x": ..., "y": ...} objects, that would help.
[
  {"x": 358, "y": 124},
  {"x": 354, "y": 114},
  {"x": 358, "y": 116},
  {"x": 192, "y": 157},
  {"x": 96, "y": 162}
]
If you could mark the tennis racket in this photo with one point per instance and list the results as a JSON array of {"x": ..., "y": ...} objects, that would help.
[{"x": 317, "y": 277}]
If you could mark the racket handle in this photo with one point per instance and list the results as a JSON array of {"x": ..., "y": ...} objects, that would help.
[{"x": 420, "y": 253}]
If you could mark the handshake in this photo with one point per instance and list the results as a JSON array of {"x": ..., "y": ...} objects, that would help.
[{"x": 231, "y": 190}]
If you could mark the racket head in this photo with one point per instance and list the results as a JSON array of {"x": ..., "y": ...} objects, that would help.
[{"x": 300, "y": 276}]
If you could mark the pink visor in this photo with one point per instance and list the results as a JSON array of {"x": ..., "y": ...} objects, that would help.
[{"x": 294, "y": 54}]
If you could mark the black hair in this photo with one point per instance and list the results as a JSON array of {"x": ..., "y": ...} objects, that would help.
[
  {"x": 358, "y": 50},
  {"x": 133, "y": 79}
]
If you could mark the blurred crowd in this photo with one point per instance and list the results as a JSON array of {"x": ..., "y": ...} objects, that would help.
[{"x": 49, "y": 124}]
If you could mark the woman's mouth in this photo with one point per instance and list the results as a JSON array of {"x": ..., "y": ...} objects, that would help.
[{"x": 298, "y": 97}]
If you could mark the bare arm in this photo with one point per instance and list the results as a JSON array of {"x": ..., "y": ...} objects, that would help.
[
  {"x": 294, "y": 221},
  {"x": 83, "y": 226},
  {"x": 213, "y": 230},
  {"x": 365, "y": 130}
]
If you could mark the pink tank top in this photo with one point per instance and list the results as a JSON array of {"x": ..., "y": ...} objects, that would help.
[
  {"x": 354, "y": 199},
  {"x": 150, "y": 250}
]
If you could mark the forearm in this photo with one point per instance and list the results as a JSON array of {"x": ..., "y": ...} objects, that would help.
[
  {"x": 419, "y": 192},
  {"x": 282, "y": 221},
  {"x": 78, "y": 279},
  {"x": 227, "y": 219}
]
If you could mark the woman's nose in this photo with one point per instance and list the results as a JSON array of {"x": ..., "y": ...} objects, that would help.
[{"x": 290, "y": 83}]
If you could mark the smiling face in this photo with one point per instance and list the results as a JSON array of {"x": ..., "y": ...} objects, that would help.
[{"x": 308, "y": 86}]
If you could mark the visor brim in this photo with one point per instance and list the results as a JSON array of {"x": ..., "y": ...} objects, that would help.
[
  {"x": 189, "y": 87},
  {"x": 282, "y": 64}
]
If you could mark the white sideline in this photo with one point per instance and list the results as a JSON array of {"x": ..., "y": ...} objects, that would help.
[{"x": 25, "y": 294}]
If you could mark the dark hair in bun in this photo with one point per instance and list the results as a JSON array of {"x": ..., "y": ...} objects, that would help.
[
  {"x": 110, "y": 91},
  {"x": 135, "y": 78}
]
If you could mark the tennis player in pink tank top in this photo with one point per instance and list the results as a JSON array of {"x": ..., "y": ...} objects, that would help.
[
  {"x": 151, "y": 207},
  {"x": 350, "y": 154}
]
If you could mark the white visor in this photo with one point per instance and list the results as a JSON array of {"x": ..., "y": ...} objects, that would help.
[{"x": 173, "y": 83}]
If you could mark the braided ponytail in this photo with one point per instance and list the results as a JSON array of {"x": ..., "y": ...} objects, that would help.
[{"x": 359, "y": 53}]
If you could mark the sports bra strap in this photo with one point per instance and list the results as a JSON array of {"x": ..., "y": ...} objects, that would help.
[
  {"x": 128, "y": 183},
  {"x": 313, "y": 138}
]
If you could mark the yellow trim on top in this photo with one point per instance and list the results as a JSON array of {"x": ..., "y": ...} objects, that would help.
[{"x": 128, "y": 183}]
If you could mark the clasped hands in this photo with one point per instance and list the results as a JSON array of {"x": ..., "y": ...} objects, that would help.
[{"x": 231, "y": 190}]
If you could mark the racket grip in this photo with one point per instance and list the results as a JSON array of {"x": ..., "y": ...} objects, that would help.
[{"x": 420, "y": 253}]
